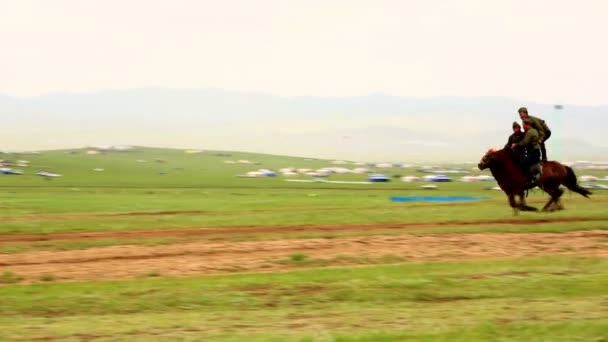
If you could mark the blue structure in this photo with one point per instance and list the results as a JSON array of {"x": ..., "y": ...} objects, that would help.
[
  {"x": 437, "y": 178},
  {"x": 9, "y": 171},
  {"x": 435, "y": 198},
  {"x": 268, "y": 173}
]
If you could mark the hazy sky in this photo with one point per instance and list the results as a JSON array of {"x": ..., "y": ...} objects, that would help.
[{"x": 538, "y": 50}]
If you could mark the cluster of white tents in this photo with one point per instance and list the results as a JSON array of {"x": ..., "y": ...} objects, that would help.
[
  {"x": 375, "y": 165},
  {"x": 589, "y": 178},
  {"x": 10, "y": 171},
  {"x": 588, "y": 165},
  {"x": 479, "y": 178},
  {"x": 591, "y": 182},
  {"x": 292, "y": 171},
  {"x": 322, "y": 172},
  {"x": 444, "y": 178},
  {"x": 5, "y": 168},
  {"x": 19, "y": 163},
  {"x": 120, "y": 148},
  {"x": 260, "y": 173}
]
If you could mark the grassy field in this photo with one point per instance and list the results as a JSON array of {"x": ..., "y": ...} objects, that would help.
[
  {"x": 174, "y": 200},
  {"x": 531, "y": 299}
]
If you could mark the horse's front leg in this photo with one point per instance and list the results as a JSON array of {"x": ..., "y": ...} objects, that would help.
[
  {"x": 513, "y": 204},
  {"x": 523, "y": 205}
]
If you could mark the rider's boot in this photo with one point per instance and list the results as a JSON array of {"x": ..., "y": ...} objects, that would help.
[{"x": 534, "y": 175}]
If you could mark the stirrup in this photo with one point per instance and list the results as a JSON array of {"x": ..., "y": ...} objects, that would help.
[{"x": 531, "y": 182}]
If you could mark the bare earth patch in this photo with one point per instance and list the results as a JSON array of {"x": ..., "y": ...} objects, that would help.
[{"x": 202, "y": 258}]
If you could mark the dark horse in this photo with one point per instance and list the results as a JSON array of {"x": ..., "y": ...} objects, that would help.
[{"x": 505, "y": 167}]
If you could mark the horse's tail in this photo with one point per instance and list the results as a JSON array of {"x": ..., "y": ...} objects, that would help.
[{"x": 572, "y": 183}]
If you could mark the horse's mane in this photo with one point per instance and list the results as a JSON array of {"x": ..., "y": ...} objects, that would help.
[{"x": 505, "y": 154}]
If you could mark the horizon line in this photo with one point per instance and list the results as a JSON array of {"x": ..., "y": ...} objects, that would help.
[{"x": 262, "y": 93}]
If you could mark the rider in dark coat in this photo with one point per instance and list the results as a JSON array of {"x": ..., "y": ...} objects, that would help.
[
  {"x": 530, "y": 143},
  {"x": 517, "y": 135},
  {"x": 544, "y": 133}
]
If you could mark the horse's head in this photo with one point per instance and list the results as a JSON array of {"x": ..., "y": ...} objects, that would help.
[{"x": 487, "y": 159}]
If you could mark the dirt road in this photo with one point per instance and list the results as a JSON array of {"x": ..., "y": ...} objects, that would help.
[{"x": 201, "y": 258}]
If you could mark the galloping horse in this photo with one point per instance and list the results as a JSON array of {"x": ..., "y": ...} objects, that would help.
[{"x": 511, "y": 178}]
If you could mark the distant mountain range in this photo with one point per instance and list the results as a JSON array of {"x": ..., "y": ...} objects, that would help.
[{"x": 376, "y": 127}]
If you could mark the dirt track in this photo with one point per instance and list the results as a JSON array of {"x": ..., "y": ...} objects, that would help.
[
  {"x": 140, "y": 234},
  {"x": 201, "y": 258}
]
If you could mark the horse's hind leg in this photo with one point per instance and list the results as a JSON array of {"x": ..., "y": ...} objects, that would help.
[
  {"x": 551, "y": 200},
  {"x": 560, "y": 206},
  {"x": 555, "y": 193},
  {"x": 557, "y": 206},
  {"x": 558, "y": 202}
]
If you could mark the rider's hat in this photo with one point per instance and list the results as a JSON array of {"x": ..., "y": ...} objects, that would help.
[
  {"x": 522, "y": 110},
  {"x": 516, "y": 124}
]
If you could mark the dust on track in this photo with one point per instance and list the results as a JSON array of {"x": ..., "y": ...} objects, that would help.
[
  {"x": 203, "y": 258},
  {"x": 202, "y": 232}
]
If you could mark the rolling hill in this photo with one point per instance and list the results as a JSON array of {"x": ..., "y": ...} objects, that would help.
[{"x": 376, "y": 127}]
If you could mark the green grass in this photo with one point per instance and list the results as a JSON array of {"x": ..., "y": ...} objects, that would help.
[
  {"x": 546, "y": 298},
  {"x": 532, "y": 299},
  {"x": 206, "y": 187},
  {"x": 62, "y": 210},
  {"x": 68, "y": 245},
  {"x": 9, "y": 277}
]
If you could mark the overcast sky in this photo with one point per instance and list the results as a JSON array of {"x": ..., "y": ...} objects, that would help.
[{"x": 538, "y": 50}]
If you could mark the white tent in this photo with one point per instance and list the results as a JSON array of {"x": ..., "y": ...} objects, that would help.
[
  {"x": 410, "y": 179},
  {"x": 360, "y": 170},
  {"x": 588, "y": 178},
  {"x": 255, "y": 174}
]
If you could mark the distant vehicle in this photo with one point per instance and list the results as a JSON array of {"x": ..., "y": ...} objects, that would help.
[
  {"x": 429, "y": 187},
  {"x": 48, "y": 174},
  {"x": 437, "y": 178},
  {"x": 267, "y": 173},
  {"x": 377, "y": 177},
  {"x": 9, "y": 171}
]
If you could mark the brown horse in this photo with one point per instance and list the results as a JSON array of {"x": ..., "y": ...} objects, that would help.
[{"x": 506, "y": 169}]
